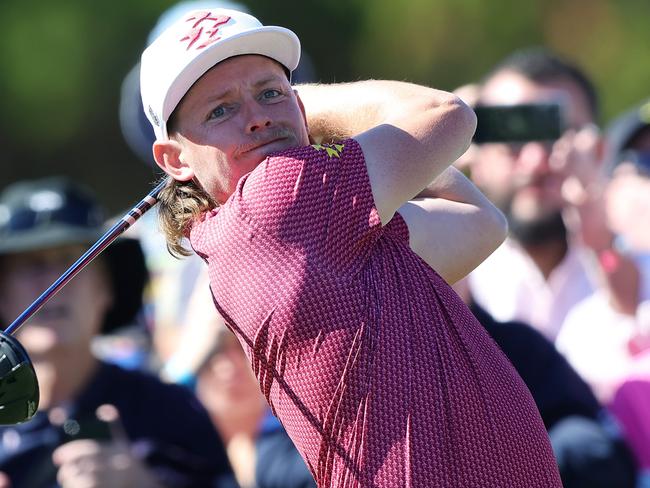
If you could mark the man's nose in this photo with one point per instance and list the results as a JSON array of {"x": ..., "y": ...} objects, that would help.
[
  {"x": 257, "y": 118},
  {"x": 534, "y": 157}
]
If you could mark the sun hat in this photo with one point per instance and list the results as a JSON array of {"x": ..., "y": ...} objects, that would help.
[
  {"x": 195, "y": 43},
  {"x": 52, "y": 212}
]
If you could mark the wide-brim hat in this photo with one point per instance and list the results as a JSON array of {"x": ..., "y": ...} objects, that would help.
[
  {"x": 196, "y": 42},
  {"x": 53, "y": 212}
]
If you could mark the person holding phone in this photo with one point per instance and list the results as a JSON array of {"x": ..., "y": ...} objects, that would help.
[
  {"x": 548, "y": 185},
  {"x": 550, "y": 188}
]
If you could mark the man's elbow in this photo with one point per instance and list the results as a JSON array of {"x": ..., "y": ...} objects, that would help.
[
  {"x": 496, "y": 227},
  {"x": 469, "y": 119},
  {"x": 459, "y": 123}
]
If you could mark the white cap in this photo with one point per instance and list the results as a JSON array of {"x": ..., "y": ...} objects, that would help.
[{"x": 194, "y": 44}]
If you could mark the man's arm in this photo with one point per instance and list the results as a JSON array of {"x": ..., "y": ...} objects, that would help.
[
  {"x": 88, "y": 462},
  {"x": 453, "y": 226},
  {"x": 580, "y": 156},
  {"x": 409, "y": 134}
]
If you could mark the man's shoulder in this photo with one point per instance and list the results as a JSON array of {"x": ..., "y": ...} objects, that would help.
[
  {"x": 283, "y": 177},
  {"x": 331, "y": 151}
]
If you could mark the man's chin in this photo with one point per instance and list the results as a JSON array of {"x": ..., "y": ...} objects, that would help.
[{"x": 537, "y": 229}]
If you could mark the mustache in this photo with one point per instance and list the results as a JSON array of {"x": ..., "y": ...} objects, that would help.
[
  {"x": 522, "y": 181},
  {"x": 267, "y": 136}
]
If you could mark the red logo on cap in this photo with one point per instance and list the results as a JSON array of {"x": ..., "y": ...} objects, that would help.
[{"x": 204, "y": 29}]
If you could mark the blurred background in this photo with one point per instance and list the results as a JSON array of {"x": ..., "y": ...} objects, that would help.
[{"x": 62, "y": 64}]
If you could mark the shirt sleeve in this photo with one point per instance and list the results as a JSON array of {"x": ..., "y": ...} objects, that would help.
[{"x": 316, "y": 198}]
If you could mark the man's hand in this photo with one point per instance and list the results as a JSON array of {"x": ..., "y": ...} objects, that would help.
[
  {"x": 91, "y": 464},
  {"x": 5, "y": 482},
  {"x": 577, "y": 155},
  {"x": 452, "y": 226},
  {"x": 628, "y": 208}
]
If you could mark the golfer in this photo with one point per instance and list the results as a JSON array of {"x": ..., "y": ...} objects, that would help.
[{"x": 330, "y": 261}]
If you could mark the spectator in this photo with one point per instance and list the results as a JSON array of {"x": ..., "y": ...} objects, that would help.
[
  {"x": 629, "y": 157},
  {"x": 624, "y": 339},
  {"x": 551, "y": 194},
  {"x": 630, "y": 407},
  {"x": 588, "y": 452},
  {"x": 45, "y": 225},
  {"x": 261, "y": 453}
]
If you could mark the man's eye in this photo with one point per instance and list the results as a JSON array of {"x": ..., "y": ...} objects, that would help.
[
  {"x": 218, "y": 112},
  {"x": 271, "y": 93}
]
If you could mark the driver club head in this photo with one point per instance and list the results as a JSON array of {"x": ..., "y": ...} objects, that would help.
[{"x": 19, "y": 392}]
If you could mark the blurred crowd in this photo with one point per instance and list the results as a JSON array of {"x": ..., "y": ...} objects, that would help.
[{"x": 142, "y": 384}]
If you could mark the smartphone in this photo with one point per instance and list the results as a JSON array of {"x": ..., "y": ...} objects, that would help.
[
  {"x": 86, "y": 427},
  {"x": 518, "y": 123}
]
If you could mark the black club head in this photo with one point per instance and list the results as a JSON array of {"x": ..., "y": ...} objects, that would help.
[{"x": 19, "y": 392}]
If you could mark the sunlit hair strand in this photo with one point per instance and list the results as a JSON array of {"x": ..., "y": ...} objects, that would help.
[{"x": 179, "y": 204}]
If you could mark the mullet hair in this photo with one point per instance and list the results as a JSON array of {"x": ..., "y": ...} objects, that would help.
[{"x": 179, "y": 204}]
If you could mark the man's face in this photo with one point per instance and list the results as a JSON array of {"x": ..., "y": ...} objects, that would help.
[
  {"x": 226, "y": 384},
  {"x": 71, "y": 318},
  {"x": 523, "y": 179},
  {"x": 233, "y": 117}
]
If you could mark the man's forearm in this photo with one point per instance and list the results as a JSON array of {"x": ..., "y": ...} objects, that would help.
[
  {"x": 338, "y": 111},
  {"x": 453, "y": 226},
  {"x": 454, "y": 186}
]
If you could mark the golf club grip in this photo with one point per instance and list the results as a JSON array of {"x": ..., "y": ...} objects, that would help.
[{"x": 95, "y": 250}]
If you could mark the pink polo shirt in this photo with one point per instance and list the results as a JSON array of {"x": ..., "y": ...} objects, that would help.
[{"x": 375, "y": 367}]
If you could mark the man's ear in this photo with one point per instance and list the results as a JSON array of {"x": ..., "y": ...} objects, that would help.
[
  {"x": 168, "y": 156},
  {"x": 302, "y": 109},
  {"x": 304, "y": 118}
]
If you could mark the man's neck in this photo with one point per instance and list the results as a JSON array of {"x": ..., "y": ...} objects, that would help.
[
  {"x": 543, "y": 239},
  {"x": 246, "y": 422},
  {"x": 547, "y": 255}
]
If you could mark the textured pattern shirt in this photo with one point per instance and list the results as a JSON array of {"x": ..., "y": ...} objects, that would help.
[{"x": 377, "y": 370}]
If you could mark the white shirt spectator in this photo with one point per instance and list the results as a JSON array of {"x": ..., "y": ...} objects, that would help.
[
  {"x": 511, "y": 287},
  {"x": 595, "y": 339}
]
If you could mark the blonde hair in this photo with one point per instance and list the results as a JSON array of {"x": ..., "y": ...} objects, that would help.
[{"x": 180, "y": 203}]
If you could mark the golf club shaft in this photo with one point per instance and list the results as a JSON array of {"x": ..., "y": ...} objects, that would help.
[{"x": 102, "y": 243}]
